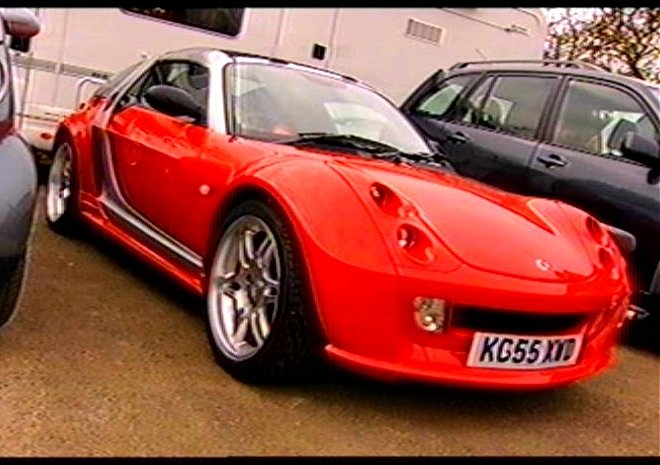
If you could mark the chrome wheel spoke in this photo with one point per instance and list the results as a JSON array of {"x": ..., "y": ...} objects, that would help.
[
  {"x": 271, "y": 292},
  {"x": 265, "y": 251},
  {"x": 259, "y": 327},
  {"x": 264, "y": 325},
  {"x": 246, "y": 248},
  {"x": 238, "y": 337},
  {"x": 59, "y": 183},
  {"x": 225, "y": 280},
  {"x": 244, "y": 287}
]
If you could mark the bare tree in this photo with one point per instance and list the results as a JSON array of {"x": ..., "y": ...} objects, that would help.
[{"x": 622, "y": 40}]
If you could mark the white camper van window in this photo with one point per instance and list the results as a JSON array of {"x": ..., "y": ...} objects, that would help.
[{"x": 225, "y": 21}]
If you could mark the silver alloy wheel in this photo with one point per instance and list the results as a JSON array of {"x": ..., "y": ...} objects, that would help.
[
  {"x": 244, "y": 288},
  {"x": 58, "y": 188}
]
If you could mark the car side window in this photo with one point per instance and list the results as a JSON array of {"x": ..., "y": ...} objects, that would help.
[
  {"x": 470, "y": 109},
  {"x": 515, "y": 104},
  {"x": 191, "y": 77},
  {"x": 595, "y": 118},
  {"x": 439, "y": 102}
]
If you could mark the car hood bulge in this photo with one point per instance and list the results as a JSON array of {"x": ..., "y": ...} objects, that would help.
[{"x": 484, "y": 227}]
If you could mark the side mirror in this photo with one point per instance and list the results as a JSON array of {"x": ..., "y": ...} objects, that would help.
[
  {"x": 21, "y": 24},
  {"x": 626, "y": 241},
  {"x": 621, "y": 128},
  {"x": 20, "y": 45},
  {"x": 173, "y": 101},
  {"x": 641, "y": 149}
]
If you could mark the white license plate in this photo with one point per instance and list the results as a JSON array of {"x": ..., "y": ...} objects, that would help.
[{"x": 490, "y": 350}]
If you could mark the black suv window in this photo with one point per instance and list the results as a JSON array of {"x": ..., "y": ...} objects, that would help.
[
  {"x": 439, "y": 102},
  {"x": 191, "y": 77},
  {"x": 594, "y": 118},
  {"x": 515, "y": 104},
  {"x": 470, "y": 110}
]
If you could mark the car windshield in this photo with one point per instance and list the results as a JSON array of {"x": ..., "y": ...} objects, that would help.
[{"x": 282, "y": 103}]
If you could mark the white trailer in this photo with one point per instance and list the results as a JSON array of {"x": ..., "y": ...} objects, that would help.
[{"x": 393, "y": 49}]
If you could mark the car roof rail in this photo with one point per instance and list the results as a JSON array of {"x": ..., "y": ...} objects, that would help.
[{"x": 557, "y": 63}]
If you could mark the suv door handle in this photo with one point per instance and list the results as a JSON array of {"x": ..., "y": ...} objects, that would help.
[
  {"x": 552, "y": 160},
  {"x": 458, "y": 138}
]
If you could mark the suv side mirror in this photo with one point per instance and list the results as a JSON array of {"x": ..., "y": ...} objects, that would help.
[
  {"x": 20, "y": 45},
  {"x": 641, "y": 149},
  {"x": 21, "y": 24},
  {"x": 173, "y": 101}
]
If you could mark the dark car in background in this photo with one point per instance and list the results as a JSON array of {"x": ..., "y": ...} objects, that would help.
[
  {"x": 566, "y": 130},
  {"x": 18, "y": 177}
]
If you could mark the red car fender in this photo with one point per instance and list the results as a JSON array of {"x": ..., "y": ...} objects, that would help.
[
  {"x": 77, "y": 128},
  {"x": 352, "y": 278}
]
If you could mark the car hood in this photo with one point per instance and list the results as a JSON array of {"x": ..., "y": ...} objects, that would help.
[{"x": 484, "y": 227}]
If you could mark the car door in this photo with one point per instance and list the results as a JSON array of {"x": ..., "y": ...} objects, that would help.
[
  {"x": 580, "y": 161},
  {"x": 431, "y": 108},
  {"x": 154, "y": 155},
  {"x": 491, "y": 132}
]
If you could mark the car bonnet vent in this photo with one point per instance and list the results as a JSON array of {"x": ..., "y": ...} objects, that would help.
[{"x": 423, "y": 31}]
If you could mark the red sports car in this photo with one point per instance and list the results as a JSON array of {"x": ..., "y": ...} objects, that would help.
[{"x": 316, "y": 220}]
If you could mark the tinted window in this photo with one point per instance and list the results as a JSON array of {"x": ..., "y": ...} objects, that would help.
[
  {"x": 438, "y": 103},
  {"x": 191, "y": 77},
  {"x": 515, "y": 104},
  {"x": 595, "y": 118},
  {"x": 470, "y": 111},
  {"x": 222, "y": 20}
]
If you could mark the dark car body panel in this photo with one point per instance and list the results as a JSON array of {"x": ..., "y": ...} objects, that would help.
[
  {"x": 18, "y": 187},
  {"x": 18, "y": 175}
]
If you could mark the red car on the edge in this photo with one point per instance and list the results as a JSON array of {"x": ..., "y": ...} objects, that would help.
[{"x": 317, "y": 221}]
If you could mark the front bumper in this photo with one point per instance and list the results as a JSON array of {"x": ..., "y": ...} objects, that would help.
[
  {"x": 420, "y": 368},
  {"x": 372, "y": 330}
]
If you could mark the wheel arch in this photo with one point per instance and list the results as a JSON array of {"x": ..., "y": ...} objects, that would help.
[{"x": 259, "y": 192}]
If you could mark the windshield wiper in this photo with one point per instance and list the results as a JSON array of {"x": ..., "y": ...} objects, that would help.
[
  {"x": 340, "y": 140},
  {"x": 433, "y": 159},
  {"x": 373, "y": 148}
]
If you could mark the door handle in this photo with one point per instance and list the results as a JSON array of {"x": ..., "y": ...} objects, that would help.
[
  {"x": 552, "y": 160},
  {"x": 458, "y": 138}
]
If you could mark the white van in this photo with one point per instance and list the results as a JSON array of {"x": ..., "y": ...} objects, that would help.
[{"x": 392, "y": 49}]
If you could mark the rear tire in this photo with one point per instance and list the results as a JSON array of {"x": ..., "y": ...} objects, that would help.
[
  {"x": 11, "y": 280},
  {"x": 234, "y": 302},
  {"x": 61, "y": 202}
]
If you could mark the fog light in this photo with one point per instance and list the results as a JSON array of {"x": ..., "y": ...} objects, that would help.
[{"x": 430, "y": 313}]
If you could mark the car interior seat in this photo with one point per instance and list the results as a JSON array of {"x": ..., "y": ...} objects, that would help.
[{"x": 199, "y": 88}]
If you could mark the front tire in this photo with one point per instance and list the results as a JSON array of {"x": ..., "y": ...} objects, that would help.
[
  {"x": 257, "y": 324},
  {"x": 11, "y": 281},
  {"x": 61, "y": 191}
]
